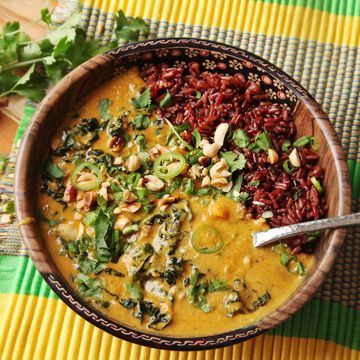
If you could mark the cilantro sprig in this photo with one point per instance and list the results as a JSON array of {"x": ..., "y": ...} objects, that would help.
[{"x": 47, "y": 60}]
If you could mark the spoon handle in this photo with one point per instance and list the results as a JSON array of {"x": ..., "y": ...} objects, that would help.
[{"x": 267, "y": 237}]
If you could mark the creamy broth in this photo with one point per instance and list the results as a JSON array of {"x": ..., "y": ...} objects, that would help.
[{"x": 256, "y": 275}]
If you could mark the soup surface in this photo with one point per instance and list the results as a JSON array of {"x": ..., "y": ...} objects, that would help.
[{"x": 154, "y": 231}]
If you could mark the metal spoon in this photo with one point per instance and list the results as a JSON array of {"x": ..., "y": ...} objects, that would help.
[{"x": 269, "y": 236}]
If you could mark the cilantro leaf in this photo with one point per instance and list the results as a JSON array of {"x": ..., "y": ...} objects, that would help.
[
  {"x": 60, "y": 51},
  {"x": 241, "y": 138},
  {"x": 261, "y": 142},
  {"x": 31, "y": 85},
  {"x": 46, "y": 16},
  {"x": 102, "y": 225},
  {"x": 90, "y": 218},
  {"x": 29, "y": 52},
  {"x": 217, "y": 285},
  {"x": 88, "y": 287},
  {"x": 166, "y": 100},
  {"x": 134, "y": 291},
  {"x": 103, "y": 108},
  {"x": 285, "y": 146},
  {"x": 67, "y": 29},
  {"x": 128, "y": 29},
  {"x": 143, "y": 101},
  {"x": 53, "y": 171},
  {"x": 141, "y": 122},
  {"x": 234, "y": 161},
  {"x": 7, "y": 80},
  {"x": 235, "y": 193}
]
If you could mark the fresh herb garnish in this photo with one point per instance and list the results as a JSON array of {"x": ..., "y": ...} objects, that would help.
[
  {"x": 285, "y": 146},
  {"x": 197, "y": 137},
  {"x": 89, "y": 287},
  {"x": 197, "y": 290},
  {"x": 103, "y": 108},
  {"x": 128, "y": 28},
  {"x": 234, "y": 161},
  {"x": 48, "y": 59},
  {"x": 175, "y": 132},
  {"x": 316, "y": 184},
  {"x": 217, "y": 285},
  {"x": 288, "y": 167},
  {"x": 289, "y": 261},
  {"x": 134, "y": 291},
  {"x": 102, "y": 226},
  {"x": 166, "y": 100},
  {"x": 304, "y": 140},
  {"x": 141, "y": 122},
  {"x": 46, "y": 16},
  {"x": 140, "y": 140},
  {"x": 255, "y": 183},
  {"x": 241, "y": 138},
  {"x": 261, "y": 142},
  {"x": 143, "y": 101},
  {"x": 53, "y": 170}
]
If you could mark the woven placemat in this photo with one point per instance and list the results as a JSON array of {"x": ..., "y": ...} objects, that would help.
[{"x": 316, "y": 42}]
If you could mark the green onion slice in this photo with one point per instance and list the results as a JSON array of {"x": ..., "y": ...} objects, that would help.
[
  {"x": 207, "y": 240},
  {"x": 89, "y": 185},
  {"x": 169, "y": 165},
  {"x": 316, "y": 184}
]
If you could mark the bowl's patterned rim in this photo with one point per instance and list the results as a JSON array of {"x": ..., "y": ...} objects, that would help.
[{"x": 178, "y": 48}]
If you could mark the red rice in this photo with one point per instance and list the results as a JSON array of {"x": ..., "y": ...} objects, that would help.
[{"x": 205, "y": 99}]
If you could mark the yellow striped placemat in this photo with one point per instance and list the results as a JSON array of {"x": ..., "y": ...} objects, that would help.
[{"x": 315, "y": 41}]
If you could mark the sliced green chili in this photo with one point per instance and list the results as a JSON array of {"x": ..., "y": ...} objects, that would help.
[
  {"x": 207, "y": 240},
  {"x": 89, "y": 185},
  {"x": 163, "y": 162}
]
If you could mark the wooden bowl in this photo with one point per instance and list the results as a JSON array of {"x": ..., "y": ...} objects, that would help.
[{"x": 310, "y": 120}]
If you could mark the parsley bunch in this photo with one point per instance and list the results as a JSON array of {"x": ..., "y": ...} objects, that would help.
[{"x": 29, "y": 67}]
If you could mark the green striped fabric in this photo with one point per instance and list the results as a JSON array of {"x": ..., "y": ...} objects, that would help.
[
  {"x": 338, "y": 7},
  {"x": 332, "y": 75}
]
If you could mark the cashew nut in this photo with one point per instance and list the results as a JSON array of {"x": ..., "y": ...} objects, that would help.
[
  {"x": 194, "y": 172},
  {"x": 131, "y": 208},
  {"x": 103, "y": 192},
  {"x": 219, "y": 183},
  {"x": 118, "y": 160},
  {"x": 220, "y": 134},
  {"x": 89, "y": 200},
  {"x": 121, "y": 222},
  {"x": 205, "y": 181},
  {"x": 129, "y": 196},
  {"x": 222, "y": 184},
  {"x": 86, "y": 177},
  {"x": 294, "y": 158},
  {"x": 273, "y": 156},
  {"x": 71, "y": 231},
  {"x": 167, "y": 200},
  {"x": 133, "y": 163},
  {"x": 210, "y": 150},
  {"x": 153, "y": 183},
  {"x": 162, "y": 149},
  {"x": 219, "y": 170}
]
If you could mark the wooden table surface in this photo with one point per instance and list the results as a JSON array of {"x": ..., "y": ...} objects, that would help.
[{"x": 27, "y": 12}]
